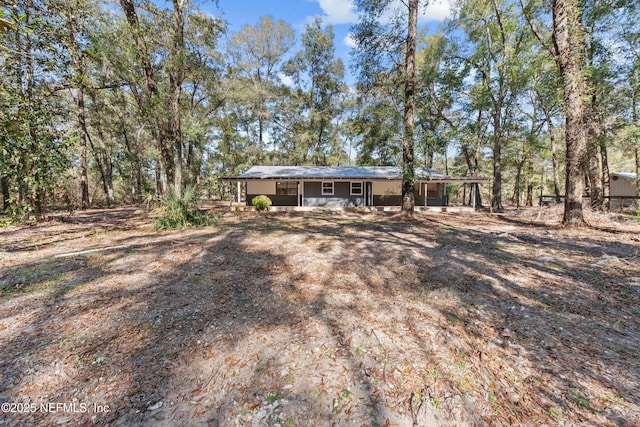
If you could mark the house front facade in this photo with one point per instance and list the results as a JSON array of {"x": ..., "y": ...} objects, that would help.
[{"x": 343, "y": 186}]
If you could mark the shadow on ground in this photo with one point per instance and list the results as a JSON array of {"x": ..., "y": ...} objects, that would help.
[{"x": 317, "y": 319}]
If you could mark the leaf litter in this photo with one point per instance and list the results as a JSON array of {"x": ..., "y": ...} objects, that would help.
[{"x": 322, "y": 318}]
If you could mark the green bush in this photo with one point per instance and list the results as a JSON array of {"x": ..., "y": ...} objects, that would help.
[
  {"x": 180, "y": 212},
  {"x": 261, "y": 203}
]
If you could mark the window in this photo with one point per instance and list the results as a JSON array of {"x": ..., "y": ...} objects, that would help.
[
  {"x": 289, "y": 188},
  {"x": 327, "y": 188},
  {"x": 356, "y": 189},
  {"x": 432, "y": 191}
]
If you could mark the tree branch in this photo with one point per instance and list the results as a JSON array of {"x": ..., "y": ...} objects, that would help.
[{"x": 553, "y": 51}]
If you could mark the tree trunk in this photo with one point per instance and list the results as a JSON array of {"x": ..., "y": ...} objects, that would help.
[
  {"x": 4, "y": 188},
  {"x": 160, "y": 188},
  {"x": 569, "y": 40},
  {"x": 464, "y": 194},
  {"x": 34, "y": 196},
  {"x": 167, "y": 152},
  {"x": 496, "y": 191},
  {"x": 162, "y": 136},
  {"x": 594, "y": 168},
  {"x": 408, "y": 177},
  {"x": 74, "y": 27},
  {"x": 477, "y": 195},
  {"x": 604, "y": 156},
  {"x": 634, "y": 121},
  {"x": 103, "y": 159},
  {"x": 554, "y": 163},
  {"x": 554, "y": 153},
  {"x": 176, "y": 77},
  {"x": 595, "y": 175},
  {"x": 516, "y": 186},
  {"x": 84, "y": 168},
  {"x": 132, "y": 19},
  {"x": 260, "y": 136},
  {"x": 446, "y": 159}
]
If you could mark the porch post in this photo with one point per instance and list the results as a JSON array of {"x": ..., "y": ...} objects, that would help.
[
  {"x": 474, "y": 190},
  {"x": 238, "y": 191},
  {"x": 426, "y": 194}
]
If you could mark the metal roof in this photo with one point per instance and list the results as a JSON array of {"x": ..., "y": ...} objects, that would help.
[
  {"x": 624, "y": 174},
  {"x": 336, "y": 172}
]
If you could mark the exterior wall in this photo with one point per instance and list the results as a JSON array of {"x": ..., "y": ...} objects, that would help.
[
  {"x": 384, "y": 193},
  {"x": 622, "y": 186},
  {"x": 387, "y": 200},
  {"x": 276, "y": 200},
  {"x": 268, "y": 188},
  {"x": 261, "y": 187},
  {"x": 341, "y": 195}
]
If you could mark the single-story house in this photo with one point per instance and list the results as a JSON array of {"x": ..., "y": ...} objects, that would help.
[
  {"x": 343, "y": 186},
  {"x": 622, "y": 189}
]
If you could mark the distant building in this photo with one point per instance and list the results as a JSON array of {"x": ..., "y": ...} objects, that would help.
[
  {"x": 622, "y": 190},
  {"x": 344, "y": 186}
]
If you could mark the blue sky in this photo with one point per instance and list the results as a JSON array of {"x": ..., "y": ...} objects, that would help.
[{"x": 298, "y": 13}]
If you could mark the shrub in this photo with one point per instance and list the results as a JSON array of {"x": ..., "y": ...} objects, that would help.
[
  {"x": 261, "y": 203},
  {"x": 180, "y": 212}
]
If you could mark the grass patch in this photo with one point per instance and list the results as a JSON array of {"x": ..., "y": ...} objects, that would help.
[
  {"x": 52, "y": 277},
  {"x": 343, "y": 397},
  {"x": 274, "y": 397},
  {"x": 580, "y": 398}
]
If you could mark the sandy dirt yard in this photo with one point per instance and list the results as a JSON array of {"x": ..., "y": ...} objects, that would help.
[{"x": 320, "y": 319}]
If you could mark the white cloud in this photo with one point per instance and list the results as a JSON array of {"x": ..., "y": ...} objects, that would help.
[
  {"x": 349, "y": 41},
  {"x": 337, "y": 11},
  {"x": 437, "y": 10},
  {"x": 342, "y": 11},
  {"x": 285, "y": 80}
]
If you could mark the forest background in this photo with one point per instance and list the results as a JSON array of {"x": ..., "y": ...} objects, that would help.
[{"x": 111, "y": 103}]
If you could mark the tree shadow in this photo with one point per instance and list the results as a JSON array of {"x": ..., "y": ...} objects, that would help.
[
  {"x": 232, "y": 326},
  {"x": 554, "y": 323}
]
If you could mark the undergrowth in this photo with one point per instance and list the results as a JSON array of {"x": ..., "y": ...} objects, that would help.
[{"x": 178, "y": 211}]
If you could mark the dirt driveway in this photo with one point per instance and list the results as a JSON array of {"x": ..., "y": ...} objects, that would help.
[{"x": 319, "y": 318}]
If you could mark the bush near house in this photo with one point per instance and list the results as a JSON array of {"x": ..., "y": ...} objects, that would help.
[{"x": 261, "y": 202}]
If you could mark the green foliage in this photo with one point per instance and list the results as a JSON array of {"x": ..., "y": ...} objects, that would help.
[
  {"x": 342, "y": 398},
  {"x": 181, "y": 211},
  {"x": 485, "y": 83},
  {"x": 274, "y": 397},
  {"x": 261, "y": 203},
  {"x": 314, "y": 103},
  {"x": 256, "y": 54},
  {"x": 33, "y": 155},
  {"x": 580, "y": 398}
]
